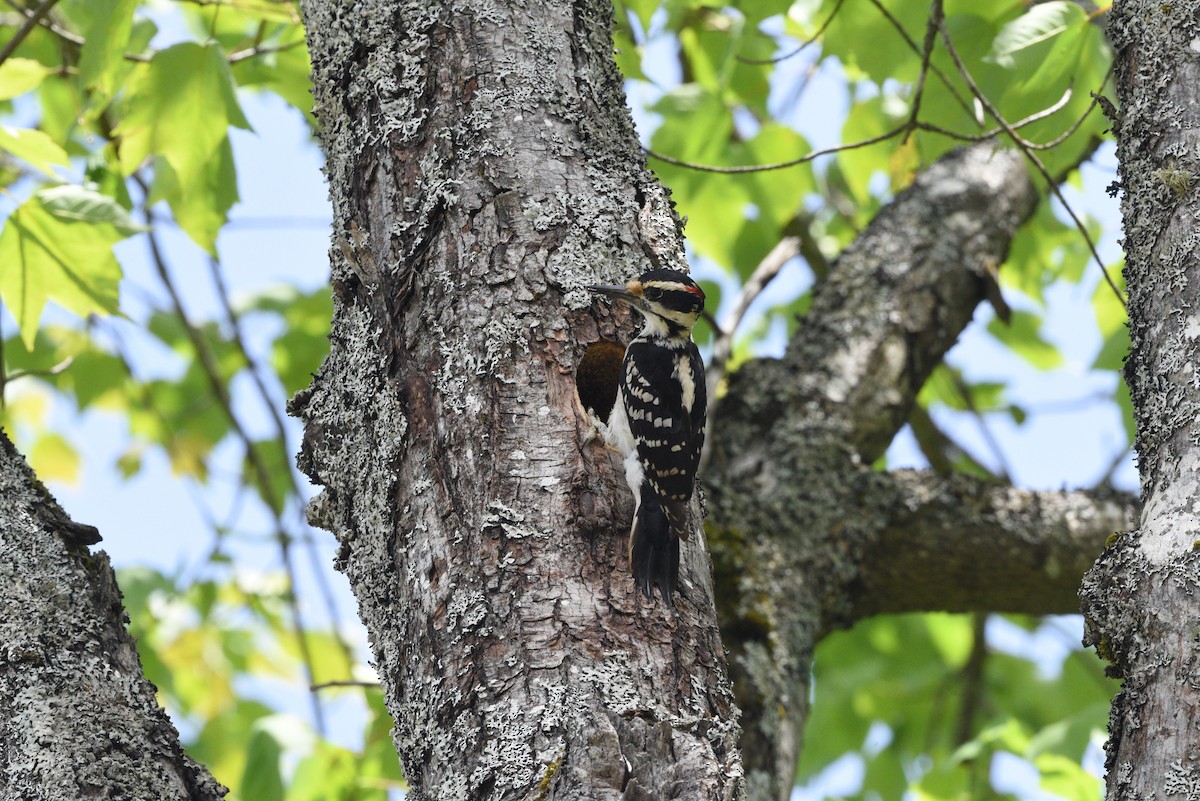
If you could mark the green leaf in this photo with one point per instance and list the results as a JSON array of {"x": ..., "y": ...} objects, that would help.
[
  {"x": 330, "y": 772},
  {"x": 21, "y": 75},
  {"x": 1038, "y": 26},
  {"x": 180, "y": 112},
  {"x": 106, "y": 35},
  {"x": 1067, "y": 778},
  {"x": 261, "y": 780},
  {"x": 223, "y": 743},
  {"x": 44, "y": 256},
  {"x": 299, "y": 350},
  {"x": 1022, "y": 335},
  {"x": 71, "y": 203},
  {"x": 868, "y": 120},
  {"x": 54, "y": 459},
  {"x": 33, "y": 146}
]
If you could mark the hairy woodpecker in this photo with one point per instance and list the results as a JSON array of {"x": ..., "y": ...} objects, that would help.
[{"x": 657, "y": 422}]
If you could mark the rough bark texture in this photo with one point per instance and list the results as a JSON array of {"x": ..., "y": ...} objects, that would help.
[
  {"x": 794, "y": 508},
  {"x": 957, "y": 544},
  {"x": 77, "y": 717},
  {"x": 483, "y": 169},
  {"x": 1140, "y": 599}
]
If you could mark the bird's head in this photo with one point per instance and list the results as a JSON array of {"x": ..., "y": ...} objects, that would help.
[{"x": 670, "y": 301}]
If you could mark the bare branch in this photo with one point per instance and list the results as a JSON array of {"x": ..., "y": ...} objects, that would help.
[
  {"x": 748, "y": 168},
  {"x": 783, "y": 252},
  {"x": 792, "y": 507},
  {"x": 958, "y": 544},
  {"x": 762, "y": 61},
  {"x": 32, "y": 19}
]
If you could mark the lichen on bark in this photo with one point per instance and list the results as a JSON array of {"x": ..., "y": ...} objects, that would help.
[
  {"x": 1139, "y": 599},
  {"x": 78, "y": 719},
  {"x": 483, "y": 170}
]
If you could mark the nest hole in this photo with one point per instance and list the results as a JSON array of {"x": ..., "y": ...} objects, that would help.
[{"x": 598, "y": 376}]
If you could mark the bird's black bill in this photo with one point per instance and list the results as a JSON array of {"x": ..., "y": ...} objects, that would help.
[{"x": 616, "y": 292}]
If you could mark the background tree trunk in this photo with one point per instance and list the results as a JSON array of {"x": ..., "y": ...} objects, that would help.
[
  {"x": 1140, "y": 599},
  {"x": 484, "y": 169},
  {"x": 77, "y": 717}
]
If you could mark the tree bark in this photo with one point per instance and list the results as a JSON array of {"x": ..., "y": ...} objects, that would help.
[
  {"x": 1139, "y": 600},
  {"x": 484, "y": 170},
  {"x": 77, "y": 717},
  {"x": 795, "y": 510},
  {"x": 958, "y": 544}
]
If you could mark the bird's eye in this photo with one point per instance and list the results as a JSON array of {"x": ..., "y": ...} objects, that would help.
[{"x": 652, "y": 293}]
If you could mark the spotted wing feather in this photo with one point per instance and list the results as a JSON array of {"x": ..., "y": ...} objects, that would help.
[{"x": 666, "y": 404}]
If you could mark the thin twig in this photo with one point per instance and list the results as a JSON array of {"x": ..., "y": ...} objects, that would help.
[
  {"x": 1058, "y": 140},
  {"x": 1033, "y": 158},
  {"x": 260, "y": 50},
  {"x": 776, "y": 59},
  {"x": 912, "y": 45},
  {"x": 52, "y": 371},
  {"x": 938, "y": 447},
  {"x": 783, "y": 252},
  {"x": 347, "y": 683},
  {"x": 31, "y": 21},
  {"x": 142, "y": 58},
  {"x": 971, "y": 680},
  {"x": 931, "y": 27},
  {"x": 120, "y": 352},
  {"x": 989, "y": 438},
  {"x": 750, "y": 168},
  {"x": 902, "y": 129},
  {"x": 994, "y": 132}
]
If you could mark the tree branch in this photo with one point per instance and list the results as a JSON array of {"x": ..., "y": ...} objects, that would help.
[
  {"x": 901, "y": 294},
  {"x": 959, "y": 544},
  {"x": 792, "y": 507},
  {"x": 78, "y": 713}
]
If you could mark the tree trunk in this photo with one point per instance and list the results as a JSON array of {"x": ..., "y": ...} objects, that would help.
[
  {"x": 1140, "y": 599},
  {"x": 484, "y": 170},
  {"x": 77, "y": 717}
]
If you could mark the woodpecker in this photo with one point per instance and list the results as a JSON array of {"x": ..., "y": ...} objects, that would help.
[{"x": 657, "y": 422}]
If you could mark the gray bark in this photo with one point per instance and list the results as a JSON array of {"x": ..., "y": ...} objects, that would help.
[
  {"x": 795, "y": 510},
  {"x": 1139, "y": 600},
  {"x": 957, "y": 544},
  {"x": 484, "y": 169},
  {"x": 77, "y": 717}
]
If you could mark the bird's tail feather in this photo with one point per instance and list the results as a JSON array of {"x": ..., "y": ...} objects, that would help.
[{"x": 653, "y": 550}]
